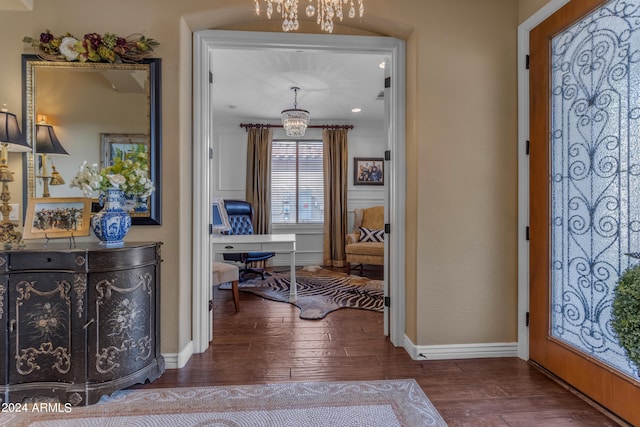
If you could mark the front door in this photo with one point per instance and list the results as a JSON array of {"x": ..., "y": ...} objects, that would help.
[{"x": 585, "y": 193}]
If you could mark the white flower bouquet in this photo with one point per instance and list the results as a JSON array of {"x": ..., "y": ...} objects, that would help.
[{"x": 131, "y": 175}]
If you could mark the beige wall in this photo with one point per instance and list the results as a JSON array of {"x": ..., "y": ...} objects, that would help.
[
  {"x": 466, "y": 273},
  {"x": 461, "y": 146},
  {"x": 526, "y": 8}
]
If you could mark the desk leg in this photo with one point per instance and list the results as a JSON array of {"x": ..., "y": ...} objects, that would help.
[{"x": 293, "y": 290}]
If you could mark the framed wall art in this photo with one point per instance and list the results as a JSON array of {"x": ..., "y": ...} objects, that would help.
[
  {"x": 54, "y": 217},
  {"x": 114, "y": 145},
  {"x": 368, "y": 171}
]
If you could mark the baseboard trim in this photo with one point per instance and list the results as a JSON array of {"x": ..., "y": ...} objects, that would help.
[
  {"x": 178, "y": 360},
  {"x": 460, "y": 351}
]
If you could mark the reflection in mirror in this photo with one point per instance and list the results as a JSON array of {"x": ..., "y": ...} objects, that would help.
[
  {"x": 47, "y": 144},
  {"x": 81, "y": 103}
]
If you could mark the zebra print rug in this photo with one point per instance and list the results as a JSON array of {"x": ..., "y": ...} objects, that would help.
[{"x": 320, "y": 291}]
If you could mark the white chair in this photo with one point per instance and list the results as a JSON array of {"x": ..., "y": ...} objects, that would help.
[{"x": 223, "y": 273}]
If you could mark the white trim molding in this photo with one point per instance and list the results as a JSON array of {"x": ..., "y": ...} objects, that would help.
[
  {"x": 523, "y": 170},
  {"x": 178, "y": 360},
  {"x": 207, "y": 40},
  {"x": 460, "y": 351}
]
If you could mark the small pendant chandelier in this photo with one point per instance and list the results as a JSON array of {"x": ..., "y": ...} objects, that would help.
[
  {"x": 326, "y": 11},
  {"x": 295, "y": 121}
]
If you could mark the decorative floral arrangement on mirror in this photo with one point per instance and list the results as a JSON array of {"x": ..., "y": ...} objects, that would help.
[{"x": 92, "y": 47}]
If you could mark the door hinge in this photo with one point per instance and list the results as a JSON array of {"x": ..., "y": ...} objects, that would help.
[
  {"x": 387, "y": 228},
  {"x": 387, "y": 82},
  {"x": 526, "y": 62},
  {"x": 387, "y": 301},
  {"x": 210, "y": 153},
  {"x": 210, "y": 229},
  {"x": 527, "y": 318},
  {"x": 210, "y": 77},
  {"x": 387, "y": 155},
  {"x": 528, "y": 147},
  {"x": 527, "y": 232},
  {"x": 210, "y": 305}
]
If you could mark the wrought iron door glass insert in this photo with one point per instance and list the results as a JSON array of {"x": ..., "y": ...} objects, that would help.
[{"x": 595, "y": 176}]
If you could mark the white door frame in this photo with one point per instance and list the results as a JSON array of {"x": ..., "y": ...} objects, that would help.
[
  {"x": 523, "y": 170},
  {"x": 206, "y": 40}
]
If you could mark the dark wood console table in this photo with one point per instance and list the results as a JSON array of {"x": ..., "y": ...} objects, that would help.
[{"x": 79, "y": 323}]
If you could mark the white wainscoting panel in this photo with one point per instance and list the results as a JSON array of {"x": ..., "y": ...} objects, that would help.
[
  {"x": 231, "y": 158},
  {"x": 309, "y": 244}
]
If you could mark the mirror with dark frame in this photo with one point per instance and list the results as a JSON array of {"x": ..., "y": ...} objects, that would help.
[{"x": 95, "y": 112}]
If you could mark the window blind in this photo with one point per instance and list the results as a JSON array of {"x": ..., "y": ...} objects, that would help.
[{"x": 297, "y": 182}]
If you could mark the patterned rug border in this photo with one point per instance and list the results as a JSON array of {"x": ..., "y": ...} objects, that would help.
[
  {"x": 409, "y": 403},
  {"x": 313, "y": 300}
]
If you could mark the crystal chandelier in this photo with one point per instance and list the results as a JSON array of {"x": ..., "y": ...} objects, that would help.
[
  {"x": 295, "y": 121},
  {"x": 326, "y": 11}
]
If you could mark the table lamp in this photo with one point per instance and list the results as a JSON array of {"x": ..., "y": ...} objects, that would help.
[
  {"x": 10, "y": 139},
  {"x": 47, "y": 143}
]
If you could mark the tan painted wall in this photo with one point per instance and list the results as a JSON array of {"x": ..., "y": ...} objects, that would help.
[
  {"x": 466, "y": 274},
  {"x": 461, "y": 129},
  {"x": 526, "y": 8}
]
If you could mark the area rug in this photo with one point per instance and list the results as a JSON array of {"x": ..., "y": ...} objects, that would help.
[
  {"x": 371, "y": 403},
  {"x": 320, "y": 291}
]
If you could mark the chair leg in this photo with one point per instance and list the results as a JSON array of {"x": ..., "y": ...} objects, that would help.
[
  {"x": 359, "y": 267},
  {"x": 236, "y": 295},
  {"x": 249, "y": 269}
]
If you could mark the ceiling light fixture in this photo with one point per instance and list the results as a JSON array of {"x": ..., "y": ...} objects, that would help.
[
  {"x": 295, "y": 121},
  {"x": 326, "y": 11}
]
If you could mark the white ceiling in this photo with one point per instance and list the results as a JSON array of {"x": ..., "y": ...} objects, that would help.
[{"x": 258, "y": 84}]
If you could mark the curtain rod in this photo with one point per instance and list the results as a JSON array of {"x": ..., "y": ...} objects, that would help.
[{"x": 258, "y": 125}]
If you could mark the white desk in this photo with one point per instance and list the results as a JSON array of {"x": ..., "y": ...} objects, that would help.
[{"x": 279, "y": 243}]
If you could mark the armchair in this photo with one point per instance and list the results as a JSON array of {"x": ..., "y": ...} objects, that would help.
[
  {"x": 368, "y": 247},
  {"x": 240, "y": 214}
]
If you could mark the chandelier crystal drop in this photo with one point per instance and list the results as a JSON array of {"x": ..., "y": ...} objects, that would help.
[
  {"x": 325, "y": 11},
  {"x": 295, "y": 121}
]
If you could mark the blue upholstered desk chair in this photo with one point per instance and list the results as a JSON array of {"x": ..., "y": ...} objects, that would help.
[{"x": 240, "y": 214}]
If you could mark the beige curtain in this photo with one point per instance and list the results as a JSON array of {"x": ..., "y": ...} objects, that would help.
[
  {"x": 258, "y": 191},
  {"x": 335, "y": 196}
]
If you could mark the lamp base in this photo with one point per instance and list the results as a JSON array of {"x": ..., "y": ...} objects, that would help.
[{"x": 9, "y": 234}]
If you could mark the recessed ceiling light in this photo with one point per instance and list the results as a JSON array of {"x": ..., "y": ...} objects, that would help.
[
  {"x": 383, "y": 64},
  {"x": 356, "y": 110}
]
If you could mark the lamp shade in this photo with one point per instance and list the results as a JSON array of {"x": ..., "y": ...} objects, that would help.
[
  {"x": 10, "y": 132},
  {"x": 47, "y": 141}
]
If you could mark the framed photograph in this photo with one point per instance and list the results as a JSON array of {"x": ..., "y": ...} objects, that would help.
[
  {"x": 53, "y": 217},
  {"x": 368, "y": 171},
  {"x": 114, "y": 145}
]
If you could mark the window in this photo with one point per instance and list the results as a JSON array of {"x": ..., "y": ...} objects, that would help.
[{"x": 297, "y": 182}]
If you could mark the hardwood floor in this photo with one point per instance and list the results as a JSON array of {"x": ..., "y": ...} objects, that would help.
[{"x": 266, "y": 342}]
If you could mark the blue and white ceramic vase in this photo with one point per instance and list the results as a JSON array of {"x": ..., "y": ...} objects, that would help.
[
  {"x": 112, "y": 223},
  {"x": 141, "y": 205}
]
